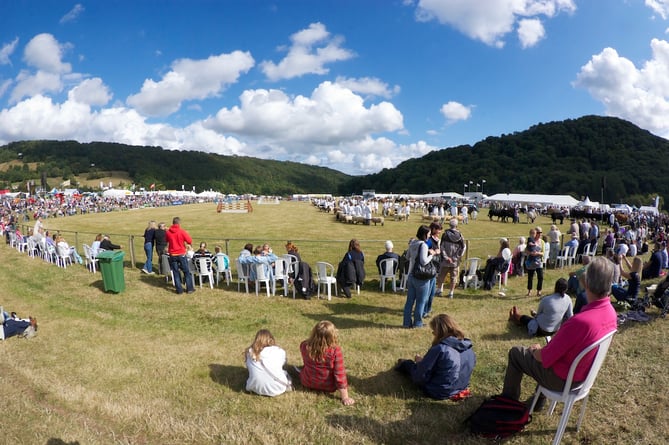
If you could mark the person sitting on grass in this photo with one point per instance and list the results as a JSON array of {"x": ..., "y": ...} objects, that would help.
[
  {"x": 265, "y": 360},
  {"x": 12, "y": 325},
  {"x": 445, "y": 370},
  {"x": 552, "y": 311},
  {"x": 323, "y": 360}
]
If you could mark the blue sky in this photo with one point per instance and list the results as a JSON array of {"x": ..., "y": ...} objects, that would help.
[{"x": 355, "y": 85}]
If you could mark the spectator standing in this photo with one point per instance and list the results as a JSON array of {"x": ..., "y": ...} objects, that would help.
[
  {"x": 160, "y": 242},
  {"x": 149, "y": 240},
  {"x": 178, "y": 242},
  {"x": 452, "y": 248}
]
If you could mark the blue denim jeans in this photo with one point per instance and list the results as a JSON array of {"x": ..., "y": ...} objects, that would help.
[
  {"x": 148, "y": 250},
  {"x": 417, "y": 295},
  {"x": 179, "y": 264},
  {"x": 430, "y": 296}
]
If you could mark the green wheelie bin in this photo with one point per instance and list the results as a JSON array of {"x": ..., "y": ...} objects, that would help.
[{"x": 111, "y": 266}]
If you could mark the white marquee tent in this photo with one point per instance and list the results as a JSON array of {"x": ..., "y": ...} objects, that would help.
[{"x": 530, "y": 199}]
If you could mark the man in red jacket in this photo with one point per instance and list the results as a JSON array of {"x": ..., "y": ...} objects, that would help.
[{"x": 178, "y": 241}]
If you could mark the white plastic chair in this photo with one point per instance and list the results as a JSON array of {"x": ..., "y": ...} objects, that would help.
[
  {"x": 292, "y": 267},
  {"x": 220, "y": 259},
  {"x": 242, "y": 276},
  {"x": 21, "y": 244},
  {"x": 32, "y": 249},
  {"x": 325, "y": 275},
  {"x": 388, "y": 272},
  {"x": 563, "y": 258},
  {"x": 503, "y": 276},
  {"x": 470, "y": 276},
  {"x": 204, "y": 269},
  {"x": 280, "y": 274},
  {"x": 91, "y": 261},
  {"x": 581, "y": 392},
  {"x": 62, "y": 258},
  {"x": 547, "y": 253},
  {"x": 262, "y": 276},
  {"x": 572, "y": 256}
]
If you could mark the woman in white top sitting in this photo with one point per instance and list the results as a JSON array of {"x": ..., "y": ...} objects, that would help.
[
  {"x": 499, "y": 263},
  {"x": 265, "y": 360}
]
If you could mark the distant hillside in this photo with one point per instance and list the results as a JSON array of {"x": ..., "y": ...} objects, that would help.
[
  {"x": 575, "y": 157},
  {"x": 165, "y": 168},
  {"x": 570, "y": 157}
]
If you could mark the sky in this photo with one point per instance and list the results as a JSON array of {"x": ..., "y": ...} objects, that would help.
[{"x": 353, "y": 85}]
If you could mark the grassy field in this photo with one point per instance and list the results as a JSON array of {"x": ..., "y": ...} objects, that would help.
[{"x": 149, "y": 367}]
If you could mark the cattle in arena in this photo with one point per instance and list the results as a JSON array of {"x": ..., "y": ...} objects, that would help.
[
  {"x": 502, "y": 214},
  {"x": 556, "y": 215}
]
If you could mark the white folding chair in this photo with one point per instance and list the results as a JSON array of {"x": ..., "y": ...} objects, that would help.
[
  {"x": 242, "y": 276},
  {"x": 204, "y": 269},
  {"x": 325, "y": 275},
  {"x": 221, "y": 259},
  {"x": 388, "y": 272},
  {"x": 292, "y": 267},
  {"x": 470, "y": 276},
  {"x": 280, "y": 274},
  {"x": 262, "y": 276},
  {"x": 570, "y": 395}
]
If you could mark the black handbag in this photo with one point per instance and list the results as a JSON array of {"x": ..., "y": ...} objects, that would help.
[{"x": 423, "y": 271}]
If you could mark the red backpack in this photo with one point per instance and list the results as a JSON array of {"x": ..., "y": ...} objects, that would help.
[{"x": 499, "y": 417}]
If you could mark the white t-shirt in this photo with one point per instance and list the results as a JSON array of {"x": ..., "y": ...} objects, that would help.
[{"x": 270, "y": 379}]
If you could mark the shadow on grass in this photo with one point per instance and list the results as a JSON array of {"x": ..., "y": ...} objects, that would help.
[
  {"x": 386, "y": 383},
  {"x": 513, "y": 332},
  {"x": 55, "y": 441},
  {"x": 418, "y": 426},
  {"x": 234, "y": 377}
]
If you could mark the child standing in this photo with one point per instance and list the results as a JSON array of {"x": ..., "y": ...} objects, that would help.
[
  {"x": 324, "y": 362},
  {"x": 265, "y": 360}
]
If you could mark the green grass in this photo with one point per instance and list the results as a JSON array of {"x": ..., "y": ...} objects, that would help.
[{"x": 149, "y": 367}]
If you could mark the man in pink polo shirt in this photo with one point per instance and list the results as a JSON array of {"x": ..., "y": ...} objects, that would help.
[{"x": 549, "y": 365}]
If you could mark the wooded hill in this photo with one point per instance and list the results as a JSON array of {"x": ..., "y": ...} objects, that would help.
[
  {"x": 167, "y": 169},
  {"x": 575, "y": 156}
]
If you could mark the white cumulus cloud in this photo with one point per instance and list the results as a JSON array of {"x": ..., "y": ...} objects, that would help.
[
  {"x": 91, "y": 92},
  {"x": 369, "y": 86},
  {"x": 7, "y": 50},
  {"x": 190, "y": 79},
  {"x": 305, "y": 56},
  {"x": 530, "y": 32},
  {"x": 491, "y": 20},
  {"x": 455, "y": 111},
  {"x": 639, "y": 95},
  {"x": 661, "y": 7}
]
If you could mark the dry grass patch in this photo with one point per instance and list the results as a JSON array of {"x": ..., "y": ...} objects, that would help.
[{"x": 149, "y": 367}]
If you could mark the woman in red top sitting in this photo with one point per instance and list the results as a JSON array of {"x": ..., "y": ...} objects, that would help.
[{"x": 324, "y": 362}]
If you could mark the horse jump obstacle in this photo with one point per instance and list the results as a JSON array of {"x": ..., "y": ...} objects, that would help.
[{"x": 234, "y": 207}]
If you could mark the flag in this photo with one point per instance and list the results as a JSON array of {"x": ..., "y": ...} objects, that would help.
[{"x": 152, "y": 186}]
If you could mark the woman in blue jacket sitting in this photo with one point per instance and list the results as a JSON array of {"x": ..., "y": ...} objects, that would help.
[{"x": 444, "y": 372}]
